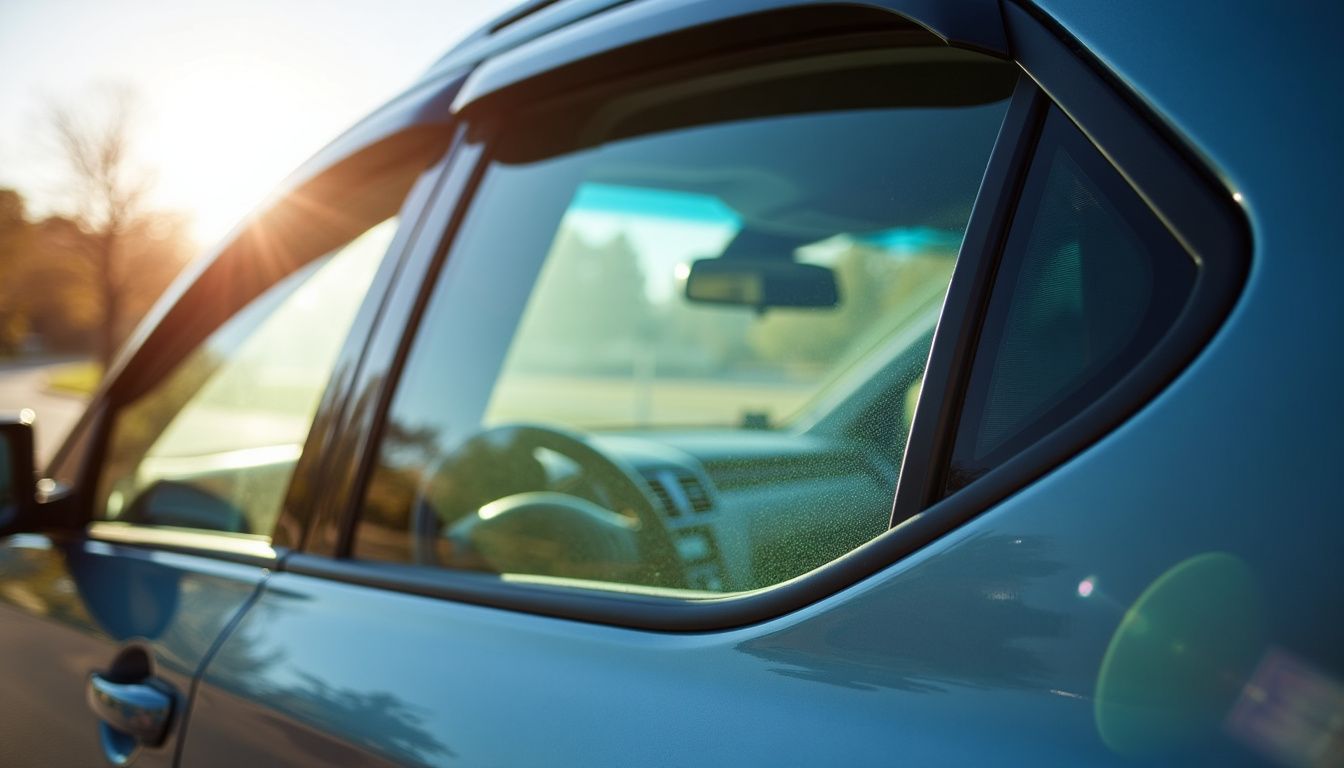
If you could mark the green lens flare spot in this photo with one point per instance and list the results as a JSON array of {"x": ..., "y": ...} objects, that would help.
[{"x": 1180, "y": 656}]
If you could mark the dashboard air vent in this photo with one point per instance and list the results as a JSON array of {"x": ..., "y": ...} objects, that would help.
[
  {"x": 678, "y": 491},
  {"x": 661, "y": 494},
  {"x": 696, "y": 495}
]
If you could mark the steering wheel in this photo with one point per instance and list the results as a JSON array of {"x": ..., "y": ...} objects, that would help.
[{"x": 488, "y": 500}]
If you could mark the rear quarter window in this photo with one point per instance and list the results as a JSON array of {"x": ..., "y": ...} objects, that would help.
[{"x": 1089, "y": 281}]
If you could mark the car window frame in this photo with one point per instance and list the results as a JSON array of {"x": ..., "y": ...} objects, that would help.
[
  {"x": 367, "y": 396},
  {"x": 1056, "y": 73},
  {"x": 1184, "y": 195},
  {"x": 327, "y": 553},
  {"x": 164, "y": 344}
]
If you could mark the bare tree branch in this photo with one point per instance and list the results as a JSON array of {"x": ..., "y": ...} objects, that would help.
[{"x": 108, "y": 193}]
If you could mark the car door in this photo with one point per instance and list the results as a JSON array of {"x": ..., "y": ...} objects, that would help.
[
  {"x": 164, "y": 510},
  {"x": 619, "y": 487}
]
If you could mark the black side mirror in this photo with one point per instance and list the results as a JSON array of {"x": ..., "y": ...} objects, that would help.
[
  {"x": 168, "y": 502},
  {"x": 18, "y": 473}
]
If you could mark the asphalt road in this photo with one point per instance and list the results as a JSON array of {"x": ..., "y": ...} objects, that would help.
[{"x": 23, "y": 385}]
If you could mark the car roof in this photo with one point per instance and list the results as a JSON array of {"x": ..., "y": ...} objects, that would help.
[
  {"x": 1195, "y": 63},
  {"x": 1225, "y": 83},
  {"x": 970, "y": 23}
]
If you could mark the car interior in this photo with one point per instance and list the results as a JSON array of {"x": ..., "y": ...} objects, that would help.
[{"x": 728, "y": 290}]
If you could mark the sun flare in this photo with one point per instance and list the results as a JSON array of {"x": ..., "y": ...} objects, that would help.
[{"x": 217, "y": 153}]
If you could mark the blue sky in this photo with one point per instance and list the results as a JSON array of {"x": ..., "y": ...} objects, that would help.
[{"x": 231, "y": 96}]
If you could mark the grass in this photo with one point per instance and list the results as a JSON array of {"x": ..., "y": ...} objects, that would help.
[{"x": 75, "y": 378}]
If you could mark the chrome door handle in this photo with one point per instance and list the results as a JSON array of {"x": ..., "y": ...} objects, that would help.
[{"x": 132, "y": 715}]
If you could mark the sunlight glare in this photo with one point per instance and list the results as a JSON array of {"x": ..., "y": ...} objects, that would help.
[{"x": 216, "y": 161}]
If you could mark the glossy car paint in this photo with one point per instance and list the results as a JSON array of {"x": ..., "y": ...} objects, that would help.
[
  {"x": 68, "y": 608},
  {"x": 982, "y": 648},
  {"x": 924, "y": 662}
]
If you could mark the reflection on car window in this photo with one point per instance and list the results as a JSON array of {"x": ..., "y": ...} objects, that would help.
[
  {"x": 640, "y": 355},
  {"x": 213, "y": 445},
  {"x": 676, "y": 340}
]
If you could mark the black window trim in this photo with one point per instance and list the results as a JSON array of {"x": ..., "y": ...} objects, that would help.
[
  {"x": 1190, "y": 201},
  {"x": 304, "y": 508},
  {"x": 1168, "y": 175},
  {"x": 933, "y": 430},
  {"x": 349, "y": 462}
]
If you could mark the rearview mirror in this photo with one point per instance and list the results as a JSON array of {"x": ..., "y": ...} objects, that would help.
[
  {"x": 762, "y": 283},
  {"x": 18, "y": 476}
]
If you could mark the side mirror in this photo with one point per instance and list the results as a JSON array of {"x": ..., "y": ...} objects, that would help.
[
  {"x": 169, "y": 502},
  {"x": 18, "y": 473},
  {"x": 762, "y": 283}
]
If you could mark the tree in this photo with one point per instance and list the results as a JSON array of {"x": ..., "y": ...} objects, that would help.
[
  {"x": 589, "y": 311},
  {"x": 77, "y": 281},
  {"x": 16, "y": 236},
  {"x": 107, "y": 195},
  {"x": 879, "y": 290}
]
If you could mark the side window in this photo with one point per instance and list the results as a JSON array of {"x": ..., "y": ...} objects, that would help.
[
  {"x": 213, "y": 444},
  {"x": 1089, "y": 281},
  {"x": 675, "y": 340}
]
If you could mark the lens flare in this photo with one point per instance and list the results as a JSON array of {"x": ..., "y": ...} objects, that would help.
[{"x": 1180, "y": 656}]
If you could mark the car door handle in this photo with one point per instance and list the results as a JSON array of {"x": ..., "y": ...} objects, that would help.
[{"x": 132, "y": 714}]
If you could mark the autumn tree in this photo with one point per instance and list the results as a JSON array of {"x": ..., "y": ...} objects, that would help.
[
  {"x": 16, "y": 236},
  {"x": 106, "y": 194}
]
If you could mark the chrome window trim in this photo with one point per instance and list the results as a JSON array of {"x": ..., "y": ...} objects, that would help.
[{"x": 237, "y": 547}]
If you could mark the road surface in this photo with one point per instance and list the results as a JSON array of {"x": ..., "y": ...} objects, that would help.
[{"x": 23, "y": 385}]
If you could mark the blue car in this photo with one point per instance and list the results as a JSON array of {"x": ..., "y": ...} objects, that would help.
[{"x": 748, "y": 382}]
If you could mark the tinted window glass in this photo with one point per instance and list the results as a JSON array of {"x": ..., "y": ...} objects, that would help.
[
  {"x": 214, "y": 443},
  {"x": 674, "y": 347},
  {"x": 1089, "y": 281}
]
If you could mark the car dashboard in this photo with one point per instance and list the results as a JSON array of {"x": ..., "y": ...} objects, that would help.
[{"x": 748, "y": 509}]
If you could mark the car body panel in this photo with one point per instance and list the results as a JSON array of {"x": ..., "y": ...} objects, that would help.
[
  {"x": 473, "y": 685},
  {"x": 1246, "y": 443},
  {"x": 69, "y": 608}
]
